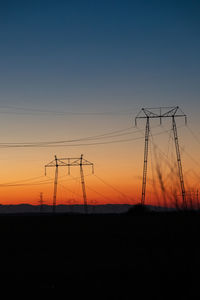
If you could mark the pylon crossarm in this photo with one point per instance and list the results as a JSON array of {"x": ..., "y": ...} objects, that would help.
[
  {"x": 86, "y": 162},
  {"x": 76, "y": 162},
  {"x": 152, "y": 113},
  {"x": 171, "y": 112},
  {"x": 51, "y": 164},
  {"x": 69, "y": 158},
  {"x": 61, "y": 163},
  {"x": 54, "y": 165},
  {"x": 58, "y": 163},
  {"x": 149, "y": 114},
  {"x": 70, "y": 162},
  {"x": 161, "y": 116}
]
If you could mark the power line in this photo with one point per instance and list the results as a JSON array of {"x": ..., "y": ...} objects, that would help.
[
  {"x": 26, "y": 184},
  {"x": 23, "y": 180},
  {"x": 194, "y": 135},
  {"x": 100, "y": 136},
  {"x": 100, "y": 194},
  {"x": 112, "y": 187},
  {"x": 33, "y": 111},
  {"x": 75, "y": 145}
]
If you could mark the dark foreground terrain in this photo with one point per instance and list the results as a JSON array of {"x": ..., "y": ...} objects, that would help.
[{"x": 153, "y": 255}]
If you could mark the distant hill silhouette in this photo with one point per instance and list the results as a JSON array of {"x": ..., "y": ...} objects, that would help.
[
  {"x": 97, "y": 209},
  {"x": 92, "y": 209}
]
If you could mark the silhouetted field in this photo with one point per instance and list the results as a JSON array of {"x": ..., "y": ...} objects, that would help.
[{"x": 103, "y": 256}]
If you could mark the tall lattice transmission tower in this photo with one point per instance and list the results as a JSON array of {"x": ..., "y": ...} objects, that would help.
[{"x": 160, "y": 113}]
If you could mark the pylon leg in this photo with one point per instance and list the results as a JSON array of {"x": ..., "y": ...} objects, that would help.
[
  {"x": 83, "y": 186},
  {"x": 180, "y": 170},
  {"x": 55, "y": 189},
  {"x": 146, "y": 145}
]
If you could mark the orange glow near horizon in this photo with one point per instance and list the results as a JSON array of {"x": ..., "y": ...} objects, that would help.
[
  {"x": 118, "y": 171},
  {"x": 111, "y": 190}
]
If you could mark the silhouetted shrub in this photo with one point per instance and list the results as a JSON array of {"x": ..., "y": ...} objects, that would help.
[{"x": 138, "y": 209}]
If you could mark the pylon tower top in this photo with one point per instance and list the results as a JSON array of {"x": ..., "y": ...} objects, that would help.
[
  {"x": 69, "y": 162},
  {"x": 160, "y": 112}
]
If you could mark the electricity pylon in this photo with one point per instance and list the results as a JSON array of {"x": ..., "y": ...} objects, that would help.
[
  {"x": 160, "y": 113},
  {"x": 70, "y": 162}
]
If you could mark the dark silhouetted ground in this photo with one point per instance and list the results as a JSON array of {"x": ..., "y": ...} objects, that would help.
[{"x": 103, "y": 256}]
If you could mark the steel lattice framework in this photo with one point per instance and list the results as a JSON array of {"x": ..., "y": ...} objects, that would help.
[
  {"x": 160, "y": 113},
  {"x": 70, "y": 162}
]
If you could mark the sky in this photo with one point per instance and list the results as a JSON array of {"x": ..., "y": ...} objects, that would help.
[{"x": 75, "y": 69}]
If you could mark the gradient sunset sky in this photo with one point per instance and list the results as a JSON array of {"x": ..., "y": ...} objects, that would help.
[{"x": 74, "y": 69}]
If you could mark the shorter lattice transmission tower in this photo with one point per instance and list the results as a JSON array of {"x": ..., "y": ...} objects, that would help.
[
  {"x": 70, "y": 162},
  {"x": 160, "y": 113}
]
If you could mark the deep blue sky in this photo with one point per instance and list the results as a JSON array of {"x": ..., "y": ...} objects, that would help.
[
  {"x": 95, "y": 56},
  {"x": 98, "y": 55}
]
